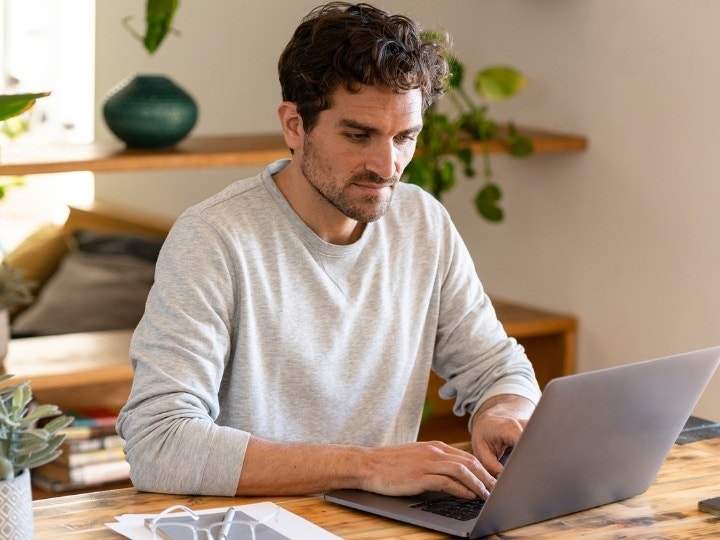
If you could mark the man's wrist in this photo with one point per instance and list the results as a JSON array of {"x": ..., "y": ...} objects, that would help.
[{"x": 514, "y": 402}]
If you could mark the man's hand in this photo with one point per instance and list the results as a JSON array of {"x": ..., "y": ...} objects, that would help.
[
  {"x": 410, "y": 469},
  {"x": 497, "y": 426},
  {"x": 274, "y": 468}
]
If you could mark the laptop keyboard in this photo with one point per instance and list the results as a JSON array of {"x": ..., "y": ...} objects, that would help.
[{"x": 452, "y": 507}]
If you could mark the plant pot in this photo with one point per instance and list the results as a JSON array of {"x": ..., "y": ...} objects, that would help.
[
  {"x": 149, "y": 111},
  {"x": 16, "y": 511},
  {"x": 4, "y": 334}
]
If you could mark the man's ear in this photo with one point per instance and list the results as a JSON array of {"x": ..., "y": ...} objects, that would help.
[{"x": 291, "y": 125}]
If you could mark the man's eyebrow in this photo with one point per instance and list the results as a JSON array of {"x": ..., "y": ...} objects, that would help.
[{"x": 353, "y": 124}]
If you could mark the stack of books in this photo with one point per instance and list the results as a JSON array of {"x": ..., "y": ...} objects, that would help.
[{"x": 92, "y": 455}]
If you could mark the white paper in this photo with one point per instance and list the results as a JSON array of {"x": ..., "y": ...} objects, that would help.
[{"x": 291, "y": 525}]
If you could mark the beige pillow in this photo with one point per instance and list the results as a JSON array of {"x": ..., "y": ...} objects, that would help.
[{"x": 38, "y": 256}]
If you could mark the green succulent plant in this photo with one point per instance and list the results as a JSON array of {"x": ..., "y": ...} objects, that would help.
[
  {"x": 442, "y": 146},
  {"x": 23, "y": 445}
]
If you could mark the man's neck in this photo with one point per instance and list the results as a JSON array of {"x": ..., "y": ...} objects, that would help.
[{"x": 323, "y": 218}]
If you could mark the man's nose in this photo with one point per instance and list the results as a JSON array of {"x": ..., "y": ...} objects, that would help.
[{"x": 383, "y": 160}]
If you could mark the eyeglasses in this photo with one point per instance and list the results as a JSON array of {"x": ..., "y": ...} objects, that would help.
[{"x": 188, "y": 525}]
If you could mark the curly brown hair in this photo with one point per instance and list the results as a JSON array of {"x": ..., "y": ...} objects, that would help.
[{"x": 357, "y": 44}]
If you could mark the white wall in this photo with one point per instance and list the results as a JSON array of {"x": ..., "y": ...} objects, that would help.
[{"x": 625, "y": 235}]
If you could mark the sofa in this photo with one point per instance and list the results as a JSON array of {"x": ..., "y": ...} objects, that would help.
[{"x": 91, "y": 274}]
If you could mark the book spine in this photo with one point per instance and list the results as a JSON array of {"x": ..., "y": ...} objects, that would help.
[
  {"x": 100, "y": 472},
  {"x": 50, "y": 485},
  {"x": 73, "y": 433},
  {"x": 103, "y": 455},
  {"x": 93, "y": 417},
  {"x": 89, "y": 445},
  {"x": 94, "y": 473}
]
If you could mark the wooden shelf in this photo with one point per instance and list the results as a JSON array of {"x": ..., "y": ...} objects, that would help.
[
  {"x": 544, "y": 142},
  {"x": 199, "y": 153},
  {"x": 192, "y": 153}
]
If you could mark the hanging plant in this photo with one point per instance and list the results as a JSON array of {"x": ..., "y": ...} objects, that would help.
[
  {"x": 158, "y": 23},
  {"x": 442, "y": 145}
]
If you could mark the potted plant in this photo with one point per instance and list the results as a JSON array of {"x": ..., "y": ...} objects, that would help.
[
  {"x": 150, "y": 111},
  {"x": 443, "y": 143},
  {"x": 23, "y": 446}
]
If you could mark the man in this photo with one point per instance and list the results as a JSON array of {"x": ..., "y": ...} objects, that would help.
[{"x": 295, "y": 316}]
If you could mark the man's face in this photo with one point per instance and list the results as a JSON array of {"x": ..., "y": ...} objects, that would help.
[{"x": 359, "y": 147}]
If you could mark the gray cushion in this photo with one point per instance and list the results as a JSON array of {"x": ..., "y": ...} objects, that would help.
[{"x": 101, "y": 286}]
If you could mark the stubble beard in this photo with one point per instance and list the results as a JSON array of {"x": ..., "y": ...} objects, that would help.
[{"x": 365, "y": 209}]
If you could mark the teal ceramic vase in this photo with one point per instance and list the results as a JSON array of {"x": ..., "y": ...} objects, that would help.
[{"x": 149, "y": 111}]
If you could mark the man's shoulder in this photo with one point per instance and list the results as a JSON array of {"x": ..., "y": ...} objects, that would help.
[
  {"x": 245, "y": 195},
  {"x": 250, "y": 194},
  {"x": 240, "y": 192},
  {"x": 243, "y": 205},
  {"x": 413, "y": 201}
]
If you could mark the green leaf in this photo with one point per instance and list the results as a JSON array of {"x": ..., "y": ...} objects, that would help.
[
  {"x": 465, "y": 156},
  {"x": 43, "y": 411},
  {"x": 499, "y": 82},
  {"x": 158, "y": 18},
  {"x": 519, "y": 145},
  {"x": 418, "y": 173},
  {"x": 486, "y": 202},
  {"x": 46, "y": 455},
  {"x": 21, "y": 398},
  {"x": 56, "y": 424},
  {"x": 14, "y": 104},
  {"x": 457, "y": 73},
  {"x": 446, "y": 178},
  {"x": 6, "y": 469},
  {"x": 477, "y": 124}
]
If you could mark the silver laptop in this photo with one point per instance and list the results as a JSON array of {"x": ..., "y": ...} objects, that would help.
[{"x": 594, "y": 438}]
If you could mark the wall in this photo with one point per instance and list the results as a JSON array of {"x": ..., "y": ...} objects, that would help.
[{"x": 625, "y": 235}]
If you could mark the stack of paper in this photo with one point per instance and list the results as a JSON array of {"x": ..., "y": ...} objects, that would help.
[{"x": 289, "y": 526}]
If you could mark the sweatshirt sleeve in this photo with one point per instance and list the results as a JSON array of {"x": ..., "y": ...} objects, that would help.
[
  {"x": 473, "y": 353},
  {"x": 178, "y": 353}
]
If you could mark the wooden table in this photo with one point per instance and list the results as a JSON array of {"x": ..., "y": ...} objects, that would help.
[{"x": 667, "y": 510}]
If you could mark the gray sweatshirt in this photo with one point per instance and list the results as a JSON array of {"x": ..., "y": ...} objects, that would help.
[{"x": 257, "y": 326}]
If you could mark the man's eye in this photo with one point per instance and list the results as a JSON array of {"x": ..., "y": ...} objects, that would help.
[
  {"x": 357, "y": 136},
  {"x": 406, "y": 138}
]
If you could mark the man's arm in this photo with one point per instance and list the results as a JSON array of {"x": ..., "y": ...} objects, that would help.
[
  {"x": 272, "y": 468},
  {"x": 497, "y": 426}
]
